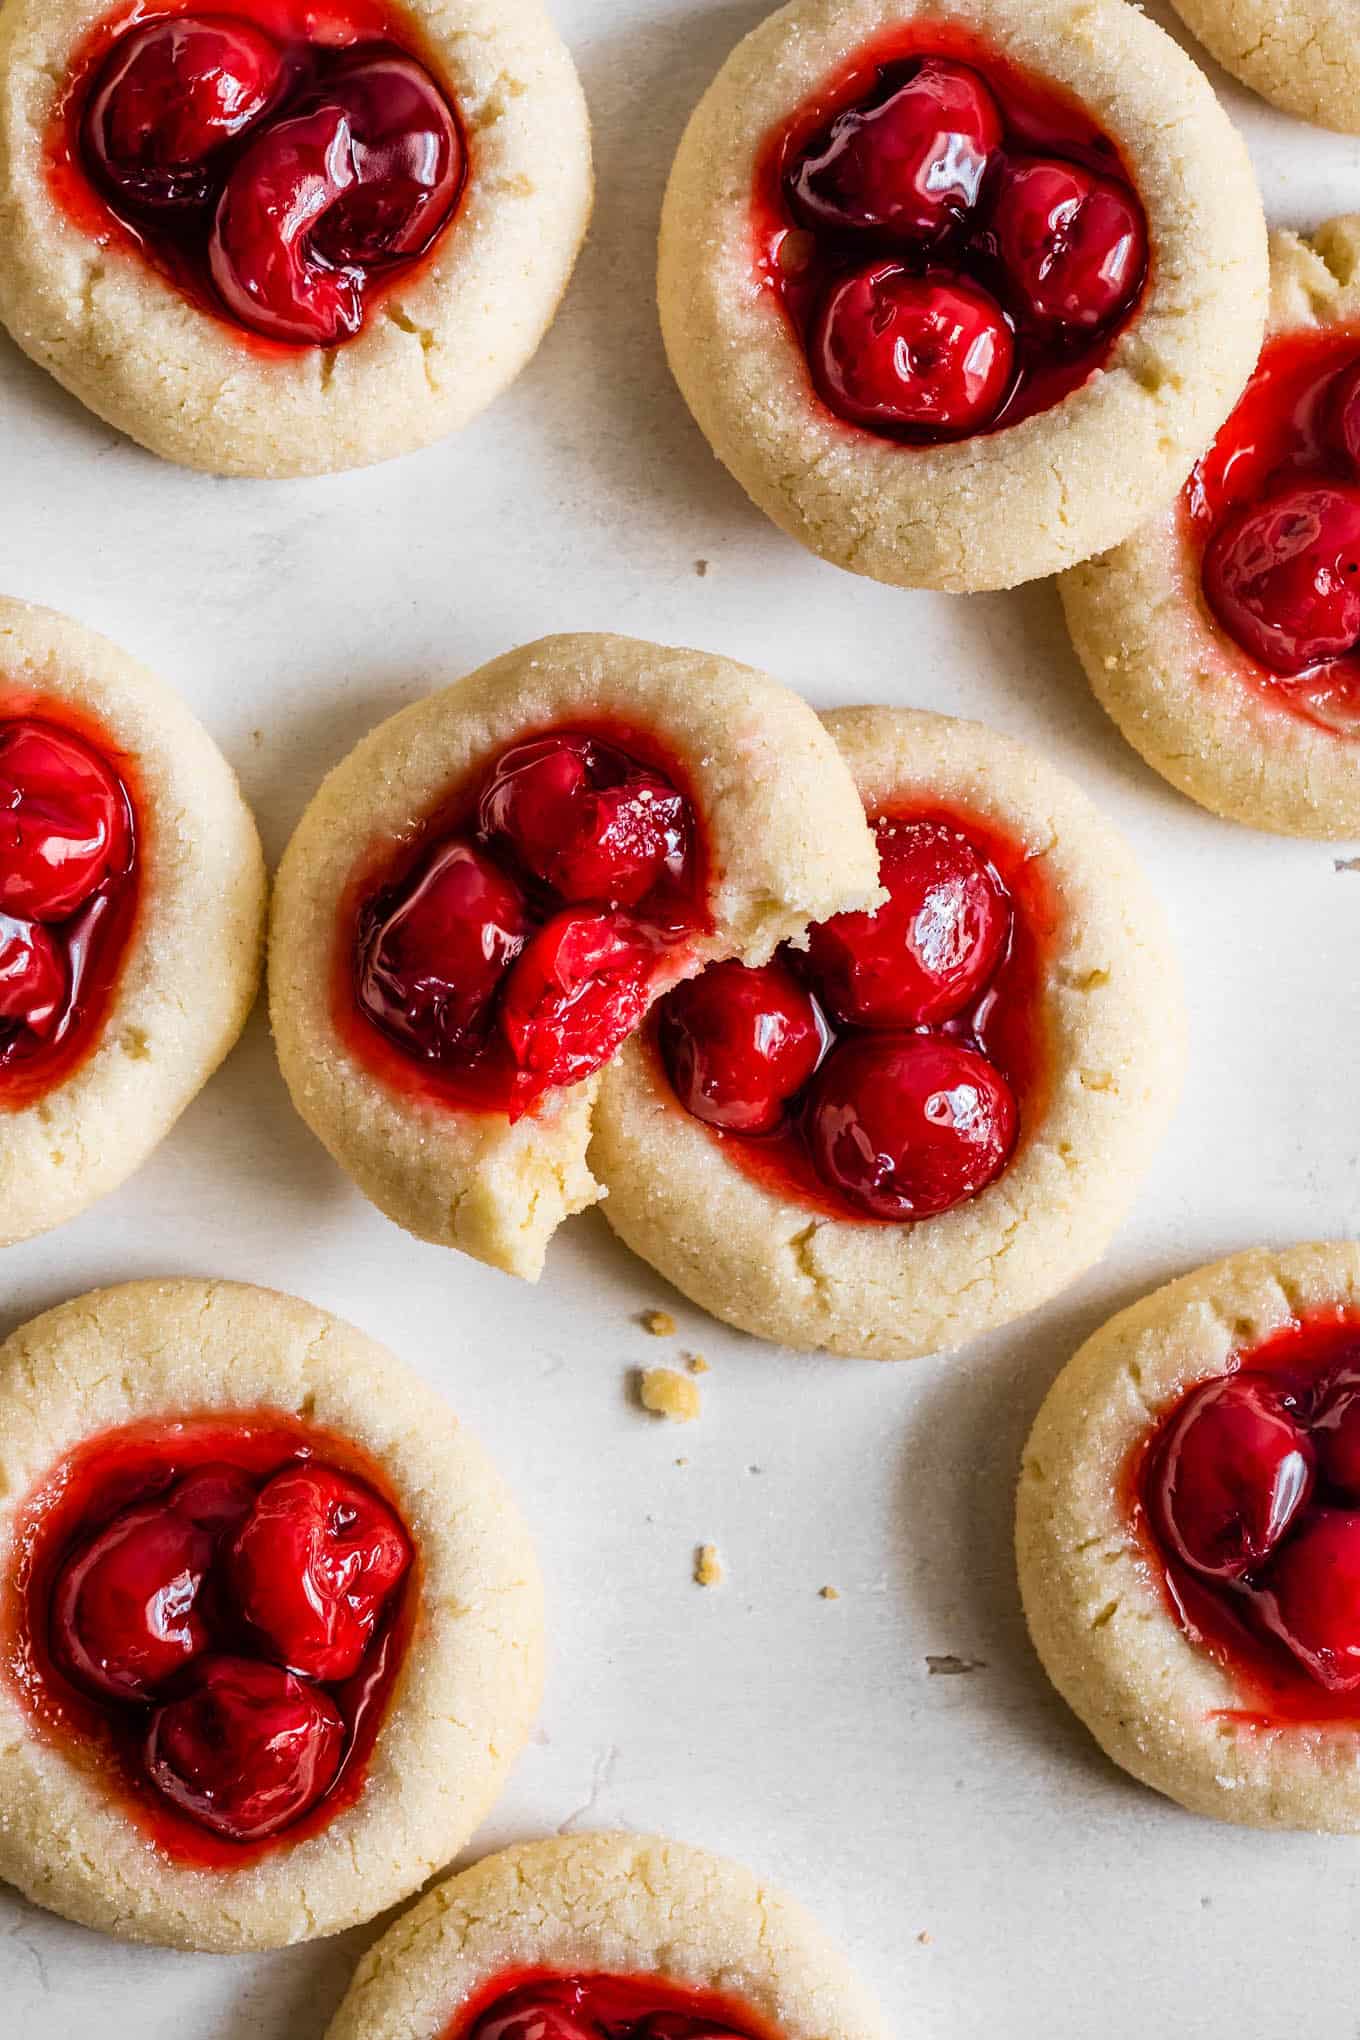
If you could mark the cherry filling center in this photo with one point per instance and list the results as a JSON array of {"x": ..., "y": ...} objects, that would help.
[
  {"x": 278, "y": 172},
  {"x": 518, "y": 940},
  {"x": 953, "y": 241},
  {"x": 885, "y": 1068},
  {"x": 1249, "y": 1495},
  {"x": 546, "y": 2005},
  {"x": 213, "y": 1607},
  {"x": 68, "y": 858},
  {"x": 1273, "y": 512}
]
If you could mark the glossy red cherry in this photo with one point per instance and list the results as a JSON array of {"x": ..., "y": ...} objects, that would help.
[
  {"x": 1336, "y": 1432},
  {"x": 247, "y": 1750},
  {"x": 905, "y": 1126},
  {"x": 1232, "y": 1474},
  {"x": 33, "y": 977},
  {"x": 576, "y": 994},
  {"x": 364, "y": 172},
  {"x": 64, "y": 821},
  {"x": 908, "y": 163},
  {"x": 739, "y": 1043},
  {"x": 679, "y": 2026},
  {"x": 929, "y": 951},
  {"x": 1345, "y": 410},
  {"x": 586, "y": 822},
  {"x": 1311, "y": 1597},
  {"x": 170, "y": 96},
  {"x": 1283, "y": 576},
  {"x": 433, "y": 957},
  {"x": 926, "y": 354},
  {"x": 536, "y": 2017},
  {"x": 312, "y": 1567},
  {"x": 1074, "y": 245},
  {"x": 125, "y": 1606}
]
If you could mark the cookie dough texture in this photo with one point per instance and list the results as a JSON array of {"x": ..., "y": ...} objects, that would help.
[
  {"x": 468, "y": 1688},
  {"x": 449, "y": 336},
  {"x": 1005, "y": 507},
  {"x": 1298, "y": 54},
  {"x": 1114, "y": 1033},
  {"x": 1197, "y": 708},
  {"x": 615, "y": 1904},
  {"x": 786, "y": 841},
  {"x": 192, "y": 965},
  {"x": 1099, "y": 1617}
]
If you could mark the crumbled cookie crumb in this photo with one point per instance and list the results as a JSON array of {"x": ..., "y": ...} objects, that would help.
[
  {"x": 682, "y": 1462},
  {"x": 831, "y": 1593},
  {"x": 668, "y": 1394},
  {"x": 701, "y": 568},
  {"x": 659, "y": 1323},
  {"x": 924, "y": 1938},
  {"x": 696, "y": 1363},
  {"x": 951, "y": 1666},
  {"x": 708, "y": 1570}
]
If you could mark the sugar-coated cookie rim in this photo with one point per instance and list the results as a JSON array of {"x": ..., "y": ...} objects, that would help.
[
  {"x": 1098, "y": 1616},
  {"x": 469, "y": 1685},
  {"x": 436, "y": 351},
  {"x": 200, "y": 923},
  {"x": 1172, "y": 681},
  {"x": 1301, "y": 57},
  {"x": 765, "y": 1263},
  {"x": 786, "y": 840},
  {"x": 616, "y": 1903},
  {"x": 993, "y": 510}
]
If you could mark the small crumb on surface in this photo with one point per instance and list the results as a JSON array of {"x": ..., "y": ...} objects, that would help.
[
  {"x": 701, "y": 568},
  {"x": 831, "y": 1593},
  {"x": 659, "y": 1323},
  {"x": 682, "y": 1462},
  {"x": 924, "y": 1938},
  {"x": 950, "y": 1666},
  {"x": 696, "y": 1363},
  {"x": 668, "y": 1394},
  {"x": 1346, "y": 863},
  {"x": 257, "y": 738},
  {"x": 708, "y": 1570}
]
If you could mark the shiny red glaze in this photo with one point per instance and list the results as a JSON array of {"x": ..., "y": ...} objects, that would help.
[
  {"x": 247, "y": 1750},
  {"x": 84, "y": 1651},
  {"x": 963, "y": 940},
  {"x": 549, "y": 2005},
  {"x": 584, "y": 820},
  {"x": 1295, "y": 429},
  {"x": 739, "y": 1043},
  {"x": 433, "y": 952},
  {"x": 125, "y": 1608},
  {"x": 1073, "y": 245},
  {"x": 909, "y": 162},
  {"x": 552, "y": 1003},
  {"x": 162, "y": 145},
  {"x": 168, "y": 97},
  {"x": 70, "y": 847},
  {"x": 1285, "y": 1623},
  {"x": 895, "y": 352},
  {"x": 906, "y": 1125},
  {"x": 1283, "y": 577},
  {"x": 1233, "y": 1472},
  {"x": 840, "y": 179},
  {"x": 576, "y": 994},
  {"x": 930, "y": 950},
  {"x": 363, "y": 174},
  {"x": 312, "y": 1567}
]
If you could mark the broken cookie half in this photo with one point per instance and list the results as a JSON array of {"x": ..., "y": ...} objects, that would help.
[{"x": 483, "y": 901}]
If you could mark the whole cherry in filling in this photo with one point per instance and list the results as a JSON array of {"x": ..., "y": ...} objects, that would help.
[
  {"x": 954, "y": 242},
  {"x": 212, "y": 1606},
  {"x": 1249, "y": 1489},
  {"x": 67, "y": 896},
  {"x": 520, "y": 939},
  {"x": 276, "y": 178},
  {"x": 1273, "y": 510},
  {"x": 548, "y": 2006},
  {"x": 885, "y": 1067}
]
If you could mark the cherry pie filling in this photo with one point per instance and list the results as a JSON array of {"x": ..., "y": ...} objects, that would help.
[
  {"x": 518, "y": 937},
  {"x": 282, "y": 164},
  {"x": 886, "y": 1074},
  {"x": 1246, "y": 1498},
  {"x": 952, "y": 240},
  {"x": 212, "y": 1612},
  {"x": 68, "y": 891},
  {"x": 546, "y": 2005},
  {"x": 1273, "y": 516}
]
